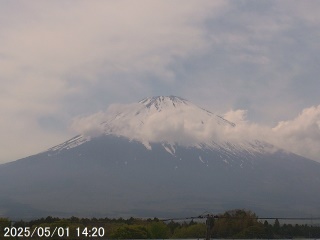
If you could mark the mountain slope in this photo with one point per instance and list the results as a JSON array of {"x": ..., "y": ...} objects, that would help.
[{"x": 119, "y": 173}]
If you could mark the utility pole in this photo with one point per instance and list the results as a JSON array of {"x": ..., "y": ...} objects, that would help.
[
  {"x": 209, "y": 220},
  {"x": 208, "y": 233}
]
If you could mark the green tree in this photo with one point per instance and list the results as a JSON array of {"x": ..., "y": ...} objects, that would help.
[
  {"x": 130, "y": 232},
  {"x": 159, "y": 230},
  {"x": 237, "y": 223},
  {"x": 276, "y": 226},
  {"x": 256, "y": 231},
  {"x": 197, "y": 230},
  {"x": 173, "y": 226},
  {"x": 268, "y": 230}
]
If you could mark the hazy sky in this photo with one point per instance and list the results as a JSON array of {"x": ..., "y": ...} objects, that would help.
[{"x": 257, "y": 61}]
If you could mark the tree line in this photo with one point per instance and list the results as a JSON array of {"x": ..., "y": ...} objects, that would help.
[{"x": 235, "y": 224}]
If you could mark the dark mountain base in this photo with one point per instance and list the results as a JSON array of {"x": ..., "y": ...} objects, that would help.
[{"x": 112, "y": 176}]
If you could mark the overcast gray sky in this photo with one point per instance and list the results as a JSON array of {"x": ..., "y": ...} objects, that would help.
[{"x": 63, "y": 59}]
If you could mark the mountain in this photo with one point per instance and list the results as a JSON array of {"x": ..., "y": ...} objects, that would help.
[{"x": 163, "y": 157}]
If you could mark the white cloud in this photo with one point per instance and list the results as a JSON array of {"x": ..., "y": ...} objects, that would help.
[
  {"x": 190, "y": 125},
  {"x": 300, "y": 135},
  {"x": 89, "y": 126},
  {"x": 238, "y": 116},
  {"x": 186, "y": 124},
  {"x": 88, "y": 39}
]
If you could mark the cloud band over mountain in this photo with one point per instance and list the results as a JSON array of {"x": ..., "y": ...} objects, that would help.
[{"x": 300, "y": 135}]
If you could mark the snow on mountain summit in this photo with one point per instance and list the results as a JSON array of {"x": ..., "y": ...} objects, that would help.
[
  {"x": 163, "y": 102},
  {"x": 163, "y": 119}
]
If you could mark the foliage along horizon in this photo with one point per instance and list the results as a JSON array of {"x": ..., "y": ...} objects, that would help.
[{"x": 237, "y": 224}]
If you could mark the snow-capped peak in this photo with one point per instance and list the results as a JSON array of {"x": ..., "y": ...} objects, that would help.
[
  {"x": 161, "y": 101},
  {"x": 168, "y": 119},
  {"x": 163, "y": 119}
]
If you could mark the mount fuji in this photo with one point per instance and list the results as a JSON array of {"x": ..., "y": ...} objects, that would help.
[{"x": 163, "y": 157}]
